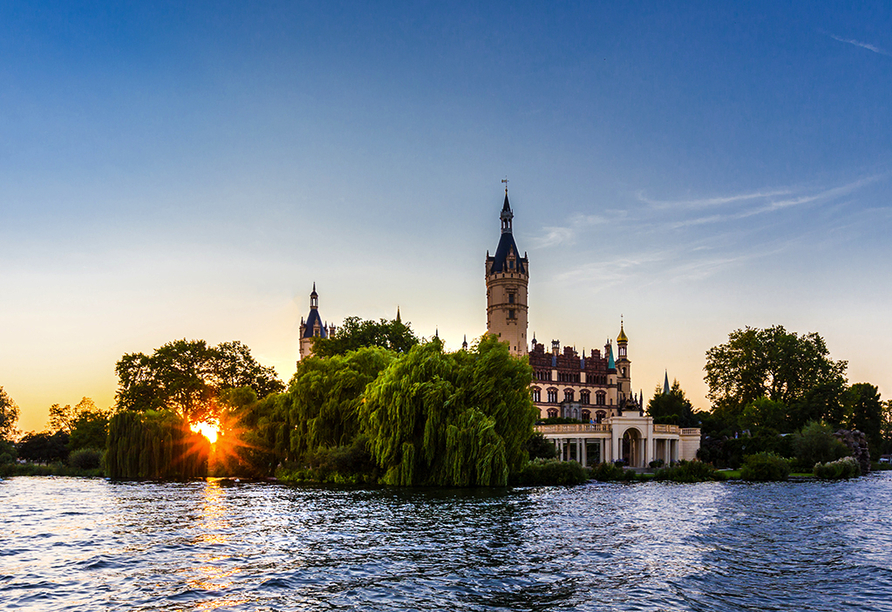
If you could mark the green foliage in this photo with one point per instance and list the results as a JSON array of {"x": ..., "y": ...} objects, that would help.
[
  {"x": 86, "y": 459},
  {"x": 550, "y": 472},
  {"x": 8, "y": 452},
  {"x": 187, "y": 375},
  {"x": 772, "y": 363},
  {"x": 846, "y": 467},
  {"x": 154, "y": 445},
  {"x": 865, "y": 413},
  {"x": 324, "y": 397},
  {"x": 765, "y": 467},
  {"x": 356, "y": 333},
  {"x": 351, "y": 464},
  {"x": 558, "y": 421},
  {"x": 43, "y": 447},
  {"x": 672, "y": 408},
  {"x": 89, "y": 430},
  {"x": 450, "y": 419},
  {"x": 540, "y": 447},
  {"x": 764, "y": 415},
  {"x": 689, "y": 471},
  {"x": 816, "y": 444},
  {"x": 606, "y": 472},
  {"x": 730, "y": 452},
  {"x": 9, "y": 414}
]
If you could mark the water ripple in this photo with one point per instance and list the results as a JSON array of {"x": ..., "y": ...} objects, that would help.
[{"x": 74, "y": 544}]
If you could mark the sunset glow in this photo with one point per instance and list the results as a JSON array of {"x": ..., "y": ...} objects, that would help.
[{"x": 208, "y": 430}]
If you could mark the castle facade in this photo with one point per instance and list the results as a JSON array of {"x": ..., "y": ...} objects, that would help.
[{"x": 595, "y": 389}]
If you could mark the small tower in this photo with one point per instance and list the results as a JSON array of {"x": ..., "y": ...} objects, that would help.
[
  {"x": 666, "y": 387},
  {"x": 623, "y": 366},
  {"x": 312, "y": 327},
  {"x": 507, "y": 281}
]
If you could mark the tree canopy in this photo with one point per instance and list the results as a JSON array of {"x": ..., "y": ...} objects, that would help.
[
  {"x": 187, "y": 375},
  {"x": 672, "y": 408},
  {"x": 356, "y": 333},
  {"x": 9, "y": 415},
  {"x": 450, "y": 419},
  {"x": 782, "y": 366}
]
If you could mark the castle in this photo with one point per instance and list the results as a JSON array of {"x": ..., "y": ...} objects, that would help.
[{"x": 595, "y": 390}]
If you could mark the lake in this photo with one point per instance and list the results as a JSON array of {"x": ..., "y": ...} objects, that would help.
[{"x": 92, "y": 544}]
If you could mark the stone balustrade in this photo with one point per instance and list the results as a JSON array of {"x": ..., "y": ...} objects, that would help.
[{"x": 574, "y": 428}]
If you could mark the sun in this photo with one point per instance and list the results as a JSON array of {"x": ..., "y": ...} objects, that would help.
[{"x": 208, "y": 430}]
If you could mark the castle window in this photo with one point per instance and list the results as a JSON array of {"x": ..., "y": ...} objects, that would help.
[
  {"x": 537, "y": 395},
  {"x": 552, "y": 413},
  {"x": 510, "y": 298},
  {"x": 568, "y": 395},
  {"x": 600, "y": 398},
  {"x": 586, "y": 415},
  {"x": 599, "y": 416},
  {"x": 511, "y": 314},
  {"x": 622, "y": 351},
  {"x": 585, "y": 397},
  {"x": 552, "y": 396}
]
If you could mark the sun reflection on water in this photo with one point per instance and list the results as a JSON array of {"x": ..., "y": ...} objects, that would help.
[{"x": 213, "y": 571}]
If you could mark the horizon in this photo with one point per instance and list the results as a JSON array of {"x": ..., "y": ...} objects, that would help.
[{"x": 190, "y": 171}]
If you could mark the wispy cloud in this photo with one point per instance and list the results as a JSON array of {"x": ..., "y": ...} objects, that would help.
[
  {"x": 566, "y": 234},
  {"x": 858, "y": 43},
  {"x": 709, "y": 202}
]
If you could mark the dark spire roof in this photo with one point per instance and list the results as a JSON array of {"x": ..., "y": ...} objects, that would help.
[
  {"x": 507, "y": 246},
  {"x": 314, "y": 294}
]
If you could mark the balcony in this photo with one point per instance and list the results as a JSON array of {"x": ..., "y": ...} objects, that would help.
[{"x": 574, "y": 428}]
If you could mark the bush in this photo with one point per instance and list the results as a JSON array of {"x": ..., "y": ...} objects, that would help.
[
  {"x": 540, "y": 447},
  {"x": 85, "y": 459},
  {"x": 605, "y": 472},
  {"x": 846, "y": 467},
  {"x": 550, "y": 472},
  {"x": 689, "y": 471},
  {"x": 765, "y": 467},
  {"x": 816, "y": 444}
]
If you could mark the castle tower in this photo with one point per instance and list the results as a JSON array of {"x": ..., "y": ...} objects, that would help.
[
  {"x": 507, "y": 279},
  {"x": 312, "y": 327},
  {"x": 623, "y": 366}
]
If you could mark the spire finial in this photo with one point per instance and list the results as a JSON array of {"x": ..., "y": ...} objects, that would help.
[{"x": 505, "y": 180}]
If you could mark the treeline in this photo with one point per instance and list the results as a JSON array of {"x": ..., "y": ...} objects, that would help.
[{"x": 778, "y": 393}]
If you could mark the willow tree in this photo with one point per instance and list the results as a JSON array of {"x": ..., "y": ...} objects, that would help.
[
  {"x": 154, "y": 444},
  {"x": 450, "y": 419},
  {"x": 324, "y": 397}
]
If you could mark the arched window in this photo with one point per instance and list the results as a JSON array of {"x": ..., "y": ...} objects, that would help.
[
  {"x": 600, "y": 416},
  {"x": 552, "y": 396},
  {"x": 586, "y": 415},
  {"x": 537, "y": 395},
  {"x": 585, "y": 397},
  {"x": 552, "y": 413},
  {"x": 568, "y": 395}
]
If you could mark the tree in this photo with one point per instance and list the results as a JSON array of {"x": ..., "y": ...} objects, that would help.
[
  {"x": 782, "y": 366},
  {"x": 187, "y": 375},
  {"x": 765, "y": 415},
  {"x": 89, "y": 430},
  {"x": 355, "y": 333},
  {"x": 450, "y": 419},
  {"x": 9, "y": 414},
  {"x": 816, "y": 444},
  {"x": 672, "y": 408},
  {"x": 43, "y": 447},
  {"x": 325, "y": 394},
  {"x": 62, "y": 418},
  {"x": 865, "y": 413}
]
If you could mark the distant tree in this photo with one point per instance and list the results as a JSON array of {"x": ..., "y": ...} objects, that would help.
[
  {"x": 356, "y": 333},
  {"x": 765, "y": 415},
  {"x": 62, "y": 418},
  {"x": 9, "y": 414},
  {"x": 816, "y": 444},
  {"x": 865, "y": 413},
  {"x": 672, "y": 408},
  {"x": 187, "y": 375},
  {"x": 887, "y": 427},
  {"x": 782, "y": 366},
  {"x": 89, "y": 430},
  {"x": 43, "y": 447}
]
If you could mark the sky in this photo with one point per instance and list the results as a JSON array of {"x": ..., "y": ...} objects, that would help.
[{"x": 189, "y": 170}]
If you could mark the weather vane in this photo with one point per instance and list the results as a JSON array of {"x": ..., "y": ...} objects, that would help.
[{"x": 505, "y": 180}]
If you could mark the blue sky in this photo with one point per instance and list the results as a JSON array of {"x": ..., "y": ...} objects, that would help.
[{"x": 176, "y": 170}]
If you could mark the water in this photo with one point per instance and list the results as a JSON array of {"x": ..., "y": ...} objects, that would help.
[{"x": 74, "y": 544}]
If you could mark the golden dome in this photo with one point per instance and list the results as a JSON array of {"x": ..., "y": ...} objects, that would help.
[{"x": 622, "y": 334}]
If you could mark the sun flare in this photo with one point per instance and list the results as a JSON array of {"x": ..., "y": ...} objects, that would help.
[{"x": 208, "y": 430}]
